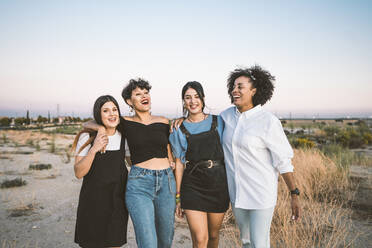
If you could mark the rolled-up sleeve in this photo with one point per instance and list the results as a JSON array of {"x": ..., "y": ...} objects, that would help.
[
  {"x": 279, "y": 147},
  {"x": 176, "y": 142}
]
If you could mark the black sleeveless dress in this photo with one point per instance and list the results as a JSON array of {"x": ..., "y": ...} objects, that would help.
[
  {"x": 102, "y": 216},
  {"x": 204, "y": 181}
]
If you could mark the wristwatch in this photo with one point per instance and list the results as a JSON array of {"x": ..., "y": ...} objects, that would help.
[{"x": 296, "y": 191}]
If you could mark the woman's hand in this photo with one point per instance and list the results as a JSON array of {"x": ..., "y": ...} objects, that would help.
[
  {"x": 100, "y": 142},
  {"x": 175, "y": 124},
  {"x": 179, "y": 211},
  {"x": 172, "y": 165},
  {"x": 296, "y": 209},
  {"x": 102, "y": 131}
]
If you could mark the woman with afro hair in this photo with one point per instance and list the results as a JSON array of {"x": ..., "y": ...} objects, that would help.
[{"x": 256, "y": 152}]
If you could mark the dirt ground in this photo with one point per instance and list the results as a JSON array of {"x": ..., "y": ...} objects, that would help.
[{"x": 42, "y": 213}]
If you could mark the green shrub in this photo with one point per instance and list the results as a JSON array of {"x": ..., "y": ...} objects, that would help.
[
  {"x": 332, "y": 130},
  {"x": 40, "y": 166},
  {"x": 5, "y": 138},
  {"x": 30, "y": 142},
  {"x": 303, "y": 143},
  {"x": 342, "y": 156},
  {"x": 13, "y": 183},
  {"x": 37, "y": 145},
  {"x": 52, "y": 147},
  {"x": 352, "y": 138}
]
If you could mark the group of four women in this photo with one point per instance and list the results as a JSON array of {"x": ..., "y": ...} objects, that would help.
[{"x": 233, "y": 157}]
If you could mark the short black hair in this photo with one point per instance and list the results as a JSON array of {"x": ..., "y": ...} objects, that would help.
[
  {"x": 98, "y": 105},
  {"x": 198, "y": 88},
  {"x": 261, "y": 79},
  {"x": 132, "y": 85}
]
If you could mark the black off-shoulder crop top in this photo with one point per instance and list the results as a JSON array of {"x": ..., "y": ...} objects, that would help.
[{"x": 146, "y": 141}]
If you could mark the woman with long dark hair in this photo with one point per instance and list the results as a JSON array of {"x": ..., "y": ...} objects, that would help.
[
  {"x": 101, "y": 216},
  {"x": 151, "y": 187},
  {"x": 200, "y": 169}
]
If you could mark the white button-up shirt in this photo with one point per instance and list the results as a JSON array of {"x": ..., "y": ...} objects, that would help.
[{"x": 256, "y": 150}]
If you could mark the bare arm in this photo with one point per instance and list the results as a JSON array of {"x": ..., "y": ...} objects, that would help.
[
  {"x": 84, "y": 163},
  {"x": 295, "y": 205},
  {"x": 93, "y": 125},
  {"x": 96, "y": 127},
  {"x": 170, "y": 157},
  {"x": 179, "y": 174},
  {"x": 129, "y": 162}
]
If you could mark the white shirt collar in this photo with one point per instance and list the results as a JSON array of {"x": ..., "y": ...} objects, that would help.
[{"x": 249, "y": 112}]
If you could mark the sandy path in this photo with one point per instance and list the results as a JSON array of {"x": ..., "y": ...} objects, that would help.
[{"x": 49, "y": 200}]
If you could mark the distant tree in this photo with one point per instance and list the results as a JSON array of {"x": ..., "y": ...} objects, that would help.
[
  {"x": 20, "y": 121},
  {"x": 5, "y": 122},
  {"x": 28, "y": 121},
  {"x": 55, "y": 120},
  {"x": 76, "y": 119},
  {"x": 48, "y": 117},
  {"x": 41, "y": 119}
]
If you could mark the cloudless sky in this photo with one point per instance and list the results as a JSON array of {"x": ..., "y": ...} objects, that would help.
[{"x": 70, "y": 52}]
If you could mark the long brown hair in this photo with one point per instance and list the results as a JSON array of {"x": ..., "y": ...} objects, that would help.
[
  {"x": 92, "y": 135},
  {"x": 97, "y": 117}
]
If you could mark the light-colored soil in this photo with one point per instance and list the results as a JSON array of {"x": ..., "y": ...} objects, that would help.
[{"x": 43, "y": 212}]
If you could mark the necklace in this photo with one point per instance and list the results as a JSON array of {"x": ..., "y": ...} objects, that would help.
[{"x": 190, "y": 120}]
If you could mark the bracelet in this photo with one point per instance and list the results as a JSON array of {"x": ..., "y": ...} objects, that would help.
[{"x": 178, "y": 197}]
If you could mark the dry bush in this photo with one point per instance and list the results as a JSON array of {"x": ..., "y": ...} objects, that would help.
[
  {"x": 24, "y": 210},
  {"x": 40, "y": 166},
  {"x": 17, "y": 182},
  {"x": 326, "y": 193}
]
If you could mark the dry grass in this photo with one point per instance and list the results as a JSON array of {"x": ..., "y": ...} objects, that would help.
[
  {"x": 326, "y": 196},
  {"x": 24, "y": 210},
  {"x": 14, "y": 244}
]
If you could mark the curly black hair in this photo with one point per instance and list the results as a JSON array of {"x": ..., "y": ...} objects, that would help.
[
  {"x": 132, "y": 85},
  {"x": 261, "y": 79}
]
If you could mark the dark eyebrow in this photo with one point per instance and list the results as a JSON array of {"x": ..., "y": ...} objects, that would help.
[{"x": 192, "y": 95}]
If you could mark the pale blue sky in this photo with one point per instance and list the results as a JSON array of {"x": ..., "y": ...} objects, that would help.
[{"x": 71, "y": 52}]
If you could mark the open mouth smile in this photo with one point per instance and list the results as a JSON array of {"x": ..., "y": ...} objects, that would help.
[
  {"x": 145, "y": 102},
  {"x": 112, "y": 119}
]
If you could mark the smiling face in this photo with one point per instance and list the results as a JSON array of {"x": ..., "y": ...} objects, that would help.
[
  {"x": 140, "y": 100},
  {"x": 192, "y": 101},
  {"x": 110, "y": 115},
  {"x": 242, "y": 93}
]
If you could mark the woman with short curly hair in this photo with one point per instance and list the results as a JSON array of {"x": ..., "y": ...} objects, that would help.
[
  {"x": 151, "y": 186},
  {"x": 256, "y": 152}
]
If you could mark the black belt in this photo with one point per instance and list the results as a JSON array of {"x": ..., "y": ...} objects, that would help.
[{"x": 204, "y": 164}]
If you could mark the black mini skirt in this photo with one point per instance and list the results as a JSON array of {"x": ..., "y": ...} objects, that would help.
[{"x": 205, "y": 188}]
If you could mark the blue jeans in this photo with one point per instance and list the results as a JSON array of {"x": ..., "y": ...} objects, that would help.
[
  {"x": 150, "y": 199},
  {"x": 254, "y": 226}
]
